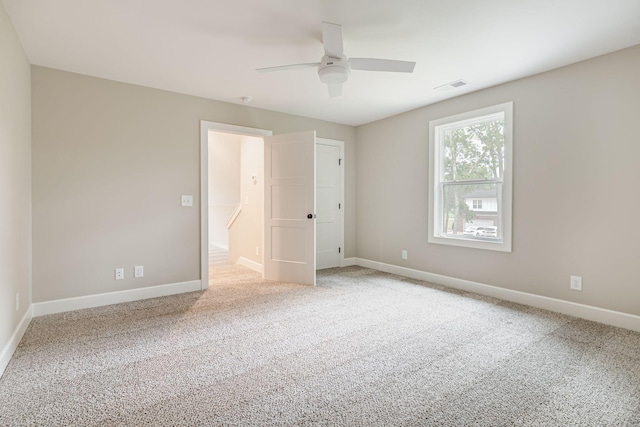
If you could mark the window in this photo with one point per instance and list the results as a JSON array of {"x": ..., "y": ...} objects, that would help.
[{"x": 471, "y": 171}]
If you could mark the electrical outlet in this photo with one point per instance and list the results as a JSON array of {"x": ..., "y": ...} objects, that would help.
[
  {"x": 119, "y": 274},
  {"x": 576, "y": 283},
  {"x": 257, "y": 250},
  {"x": 17, "y": 301},
  {"x": 405, "y": 254},
  {"x": 138, "y": 271},
  {"x": 186, "y": 200}
]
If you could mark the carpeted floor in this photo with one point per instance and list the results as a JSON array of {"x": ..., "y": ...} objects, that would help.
[{"x": 363, "y": 348}]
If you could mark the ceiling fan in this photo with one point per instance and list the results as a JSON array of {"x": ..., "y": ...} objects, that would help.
[{"x": 334, "y": 67}]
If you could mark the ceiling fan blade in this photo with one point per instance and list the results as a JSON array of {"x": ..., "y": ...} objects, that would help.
[
  {"x": 372, "y": 64},
  {"x": 332, "y": 40},
  {"x": 335, "y": 90},
  {"x": 288, "y": 67}
]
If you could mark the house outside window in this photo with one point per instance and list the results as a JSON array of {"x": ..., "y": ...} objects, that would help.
[{"x": 471, "y": 179}]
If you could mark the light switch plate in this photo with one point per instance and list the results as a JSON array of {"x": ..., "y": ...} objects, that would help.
[{"x": 187, "y": 200}]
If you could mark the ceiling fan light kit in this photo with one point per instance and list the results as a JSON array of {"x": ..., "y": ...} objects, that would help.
[{"x": 334, "y": 68}]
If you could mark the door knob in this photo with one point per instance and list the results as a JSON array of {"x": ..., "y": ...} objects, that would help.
[{"x": 310, "y": 216}]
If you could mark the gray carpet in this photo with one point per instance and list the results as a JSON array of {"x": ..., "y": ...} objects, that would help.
[{"x": 363, "y": 348}]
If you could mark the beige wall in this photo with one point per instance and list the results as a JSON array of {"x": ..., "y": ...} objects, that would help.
[
  {"x": 110, "y": 161},
  {"x": 247, "y": 232},
  {"x": 15, "y": 180},
  {"x": 576, "y": 173}
]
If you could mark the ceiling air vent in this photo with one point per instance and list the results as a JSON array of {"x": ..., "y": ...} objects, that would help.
[{"x": 452, "y": 85}]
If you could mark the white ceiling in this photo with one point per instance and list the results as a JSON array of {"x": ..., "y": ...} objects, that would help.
[{"x": 211, "y": 48}]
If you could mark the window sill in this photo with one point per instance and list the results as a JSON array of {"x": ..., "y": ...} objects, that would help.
[{"x": 487, "y": 243}]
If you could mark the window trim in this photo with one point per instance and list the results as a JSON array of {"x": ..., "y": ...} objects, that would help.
[{"x": 436, "y": 174}]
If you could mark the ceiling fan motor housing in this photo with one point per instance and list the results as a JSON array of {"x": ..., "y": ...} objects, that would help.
[{"x": 334, "y": 70}]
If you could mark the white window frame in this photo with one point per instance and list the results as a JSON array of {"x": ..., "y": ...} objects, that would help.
[{"x": 436, "y": 176}]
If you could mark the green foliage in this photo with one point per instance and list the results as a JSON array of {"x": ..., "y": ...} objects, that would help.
[
  {"x": 475, "y": 151},
  {"x": 472, "y": 152},
  {"x": 466, "y": 212}
]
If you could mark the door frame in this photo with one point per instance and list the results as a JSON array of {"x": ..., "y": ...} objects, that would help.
[
  {"x": 340, "y": 144},
  {"x": 205, "y": 127}
]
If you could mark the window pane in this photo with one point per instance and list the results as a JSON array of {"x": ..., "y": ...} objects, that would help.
[
  {"x": 474, "y": 151},
  {"x": 472, "y": 211}
]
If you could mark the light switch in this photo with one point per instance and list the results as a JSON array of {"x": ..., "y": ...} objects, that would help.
[{"x": 187, "y": 200}]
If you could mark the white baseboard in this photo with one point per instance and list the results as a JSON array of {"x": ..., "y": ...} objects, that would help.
[
  {"x": 250, "y": 264},
  {"x": 98, "y": 300},
  {"x": 601, "y": 315},
  {"x": 348, "y": 262},
  {"x": 10, "y": 348}
]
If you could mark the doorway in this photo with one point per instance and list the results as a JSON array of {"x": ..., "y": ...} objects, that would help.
[
  {"x": 235, "y": 202},
  {"x": 242, "y": 194},
  {"x": 224, "y": 192},
  {"x": 329, "y": 166}
]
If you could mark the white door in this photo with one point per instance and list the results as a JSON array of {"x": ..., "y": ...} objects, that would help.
[
  {"x": 328, "y": 203},
  {"x": 289, "y": 208}
]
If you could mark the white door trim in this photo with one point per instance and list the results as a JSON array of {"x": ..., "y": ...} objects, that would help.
[
  {"x": 340, "y": 145},
  {"x": 205, "y": 127}
]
